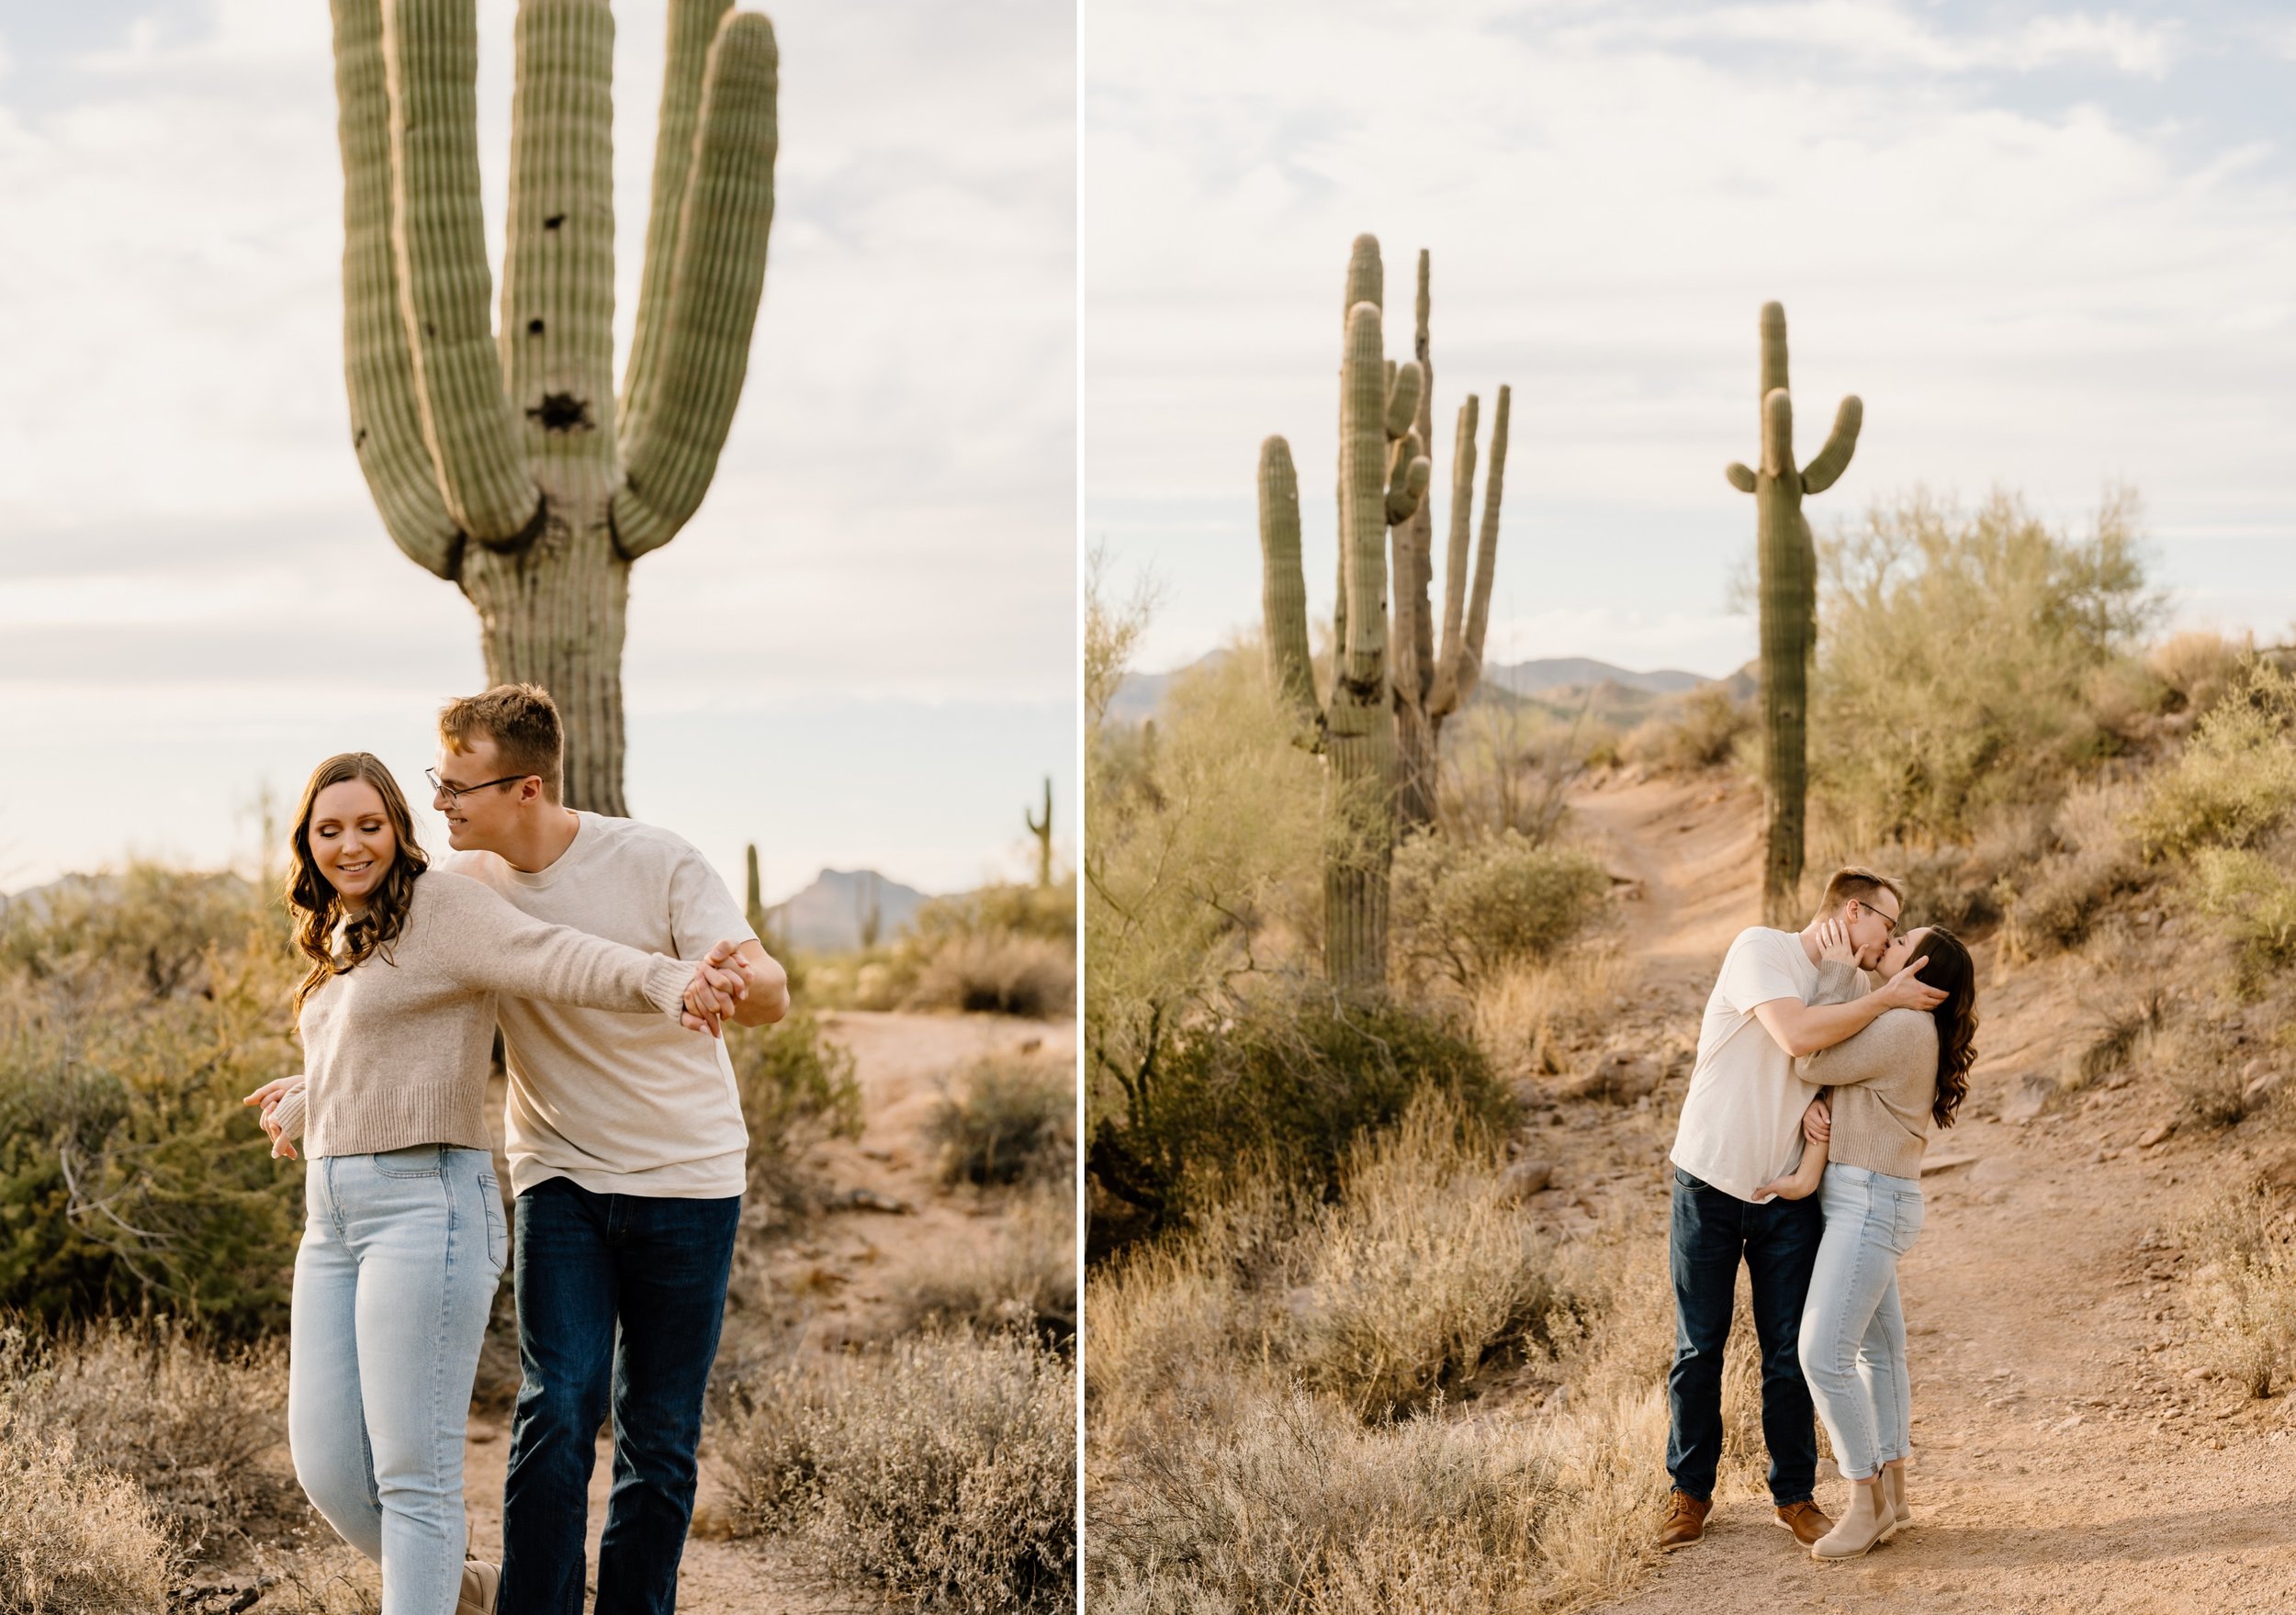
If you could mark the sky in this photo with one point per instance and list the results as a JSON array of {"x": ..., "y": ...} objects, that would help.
[
  {"x": 2053, "y": 249},
  {"x": 862, "y": 651}
]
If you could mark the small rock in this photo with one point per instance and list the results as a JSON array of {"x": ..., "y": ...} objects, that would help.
[
  {"x": 2259, "y": 1087},
  {"x": 1994, "y": 1170},
  {"x": 2197, "y": 1375},
  {"x": 868, "y": 1200},
  {"x": 1031, "y": 1044},
  {"x": 2155, "y": 1134},
  {"x": 2026, "y": 1100},
  {"x": 1526, "y": 1178}
]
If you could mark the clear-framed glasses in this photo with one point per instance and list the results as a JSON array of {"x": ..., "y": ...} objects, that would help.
[{"x": 455, "y": 793}]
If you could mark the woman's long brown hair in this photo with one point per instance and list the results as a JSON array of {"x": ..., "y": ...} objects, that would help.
[
  {"x": 313, "y": 897},
  {"x": 1953, "y": 972}
]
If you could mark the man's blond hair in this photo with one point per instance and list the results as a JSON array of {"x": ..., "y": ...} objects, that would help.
[
  {"x": 523, "y": 721},
  {"x": 1857, "y": 885}
]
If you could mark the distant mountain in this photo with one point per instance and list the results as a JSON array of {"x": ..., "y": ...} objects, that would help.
[
  {"x": 1561, "y": 683},
  {"x": 826, "y": 917},
  {"x": 1551, "y": 673},
  {"x": 1140, "y": 695}
]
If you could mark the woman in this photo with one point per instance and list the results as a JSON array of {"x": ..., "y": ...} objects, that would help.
[
  {"x": 1889, "y": 1083},
  {"x": 404, "y": 1240}
]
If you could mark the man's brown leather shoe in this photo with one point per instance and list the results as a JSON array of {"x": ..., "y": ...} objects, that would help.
[
  {"x": 1806, "y": 1521},
  {"x": 1685, "y": 1520}
]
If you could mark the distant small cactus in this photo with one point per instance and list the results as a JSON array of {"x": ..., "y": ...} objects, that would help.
[{"x": 1043, "y": 830}]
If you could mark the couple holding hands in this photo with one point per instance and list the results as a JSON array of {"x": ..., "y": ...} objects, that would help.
[
  {"x": 1799, "y": 1154},
  {"x": 609, "y": 954}
]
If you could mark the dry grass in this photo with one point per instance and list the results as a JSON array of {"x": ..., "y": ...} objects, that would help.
[
  {"x": 1025, "y": 1279},
  {"x": 75, "y": 1538},
  {"x": 999, "y": 973},
  {"x": 1699, "y": 729},
  {"x": 942, "y": 1468},
  {"x": 1525, "y": 1017},
  {"x": 1008, "y": 1120},
  {"x": 2244, "y": 1287}
]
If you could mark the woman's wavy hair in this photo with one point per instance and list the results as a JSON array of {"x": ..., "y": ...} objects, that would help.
[
  {"x": 312, "y": 898},
  {"x": 1955, "y": 973}
]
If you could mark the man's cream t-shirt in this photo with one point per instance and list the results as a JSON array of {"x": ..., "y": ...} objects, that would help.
[
  {"x": 621, "y": 1104},
  {"x": 1742, "y": 1122}
]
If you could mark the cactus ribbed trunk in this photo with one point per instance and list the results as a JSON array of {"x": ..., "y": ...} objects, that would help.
[
  {"x": 1382, "y": 478},
  {"x": 491, "y": 439},
  {"x": 1043, "y": 830},
  {"x": 1788, "y": 561}
]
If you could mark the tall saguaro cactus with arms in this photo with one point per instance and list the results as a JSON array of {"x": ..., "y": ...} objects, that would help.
[
  {"x": 1383, "y": 470},
  {"x": 500, "y": 458},
  {"x": 1789, "y": 606},
  {"x": 1433, "y": 678}
]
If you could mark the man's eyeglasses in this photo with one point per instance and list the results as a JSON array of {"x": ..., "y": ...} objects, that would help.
[
  {"x": 455, "y": 793},
  {"x": 1889, "y": 922}
]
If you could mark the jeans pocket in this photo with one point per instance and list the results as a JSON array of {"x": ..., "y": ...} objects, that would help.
[
  {"x": 416, "y": 1161},
  {"x": 497, "y": 1229}
]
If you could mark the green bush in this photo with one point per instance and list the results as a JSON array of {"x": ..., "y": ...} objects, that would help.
[
  {"x": 2234, "y": 782},
  {"x": 1047, "y": 912},
  {"x": 1470, "y": 909},
  {"x": 135, "y": 1012},
  {"x": 942, "y": 1467},
  {"x": 1956, "y": 660},
  {"x": 1288, "y": 1085},
  {"x": 797, "y": 1089},
  {"x": 1007, "y": 1121},
  {"x": 2253, "y": 901}
]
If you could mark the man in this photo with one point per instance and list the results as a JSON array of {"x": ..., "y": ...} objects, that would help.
[
  {"x": 1741, "y": 1127},
  {"x": 627, "y": 1156}
]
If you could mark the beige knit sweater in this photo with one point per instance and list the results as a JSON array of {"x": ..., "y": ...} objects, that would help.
[
  {"x": 396, "y": 1052},
  {"x": 1883, "y": 1082}
]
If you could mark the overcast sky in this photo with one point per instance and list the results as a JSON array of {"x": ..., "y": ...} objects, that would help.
[
  {"x": 2051, "y": 248},
  {"x": 862, "y": 651}
]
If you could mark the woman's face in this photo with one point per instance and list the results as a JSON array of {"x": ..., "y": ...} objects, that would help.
[
  {"x": 1899, "y": 950},
  {"x": 350, "y": 839}
]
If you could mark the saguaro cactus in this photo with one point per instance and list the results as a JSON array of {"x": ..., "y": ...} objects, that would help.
[
  {"x": 1043, "y": 830},
  {"x": 1433, "y": 678},
  {"x": 499, "y": 458},
  {"x": 753, "y": 907},
  {"x": 1789, "y": 607},
  {"x": 1383, "y": 470}
]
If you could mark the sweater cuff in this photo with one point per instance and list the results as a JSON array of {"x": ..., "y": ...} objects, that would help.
[
  {"x": 1839, "y": 983},
  {"x": 288, "y": 1113},
  {"x": 666, "y": 980}
]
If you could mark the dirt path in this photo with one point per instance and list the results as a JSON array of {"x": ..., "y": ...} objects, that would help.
[
  {"x": 822, "y": 1283},
  {"x": 2064, "y": 1459}
]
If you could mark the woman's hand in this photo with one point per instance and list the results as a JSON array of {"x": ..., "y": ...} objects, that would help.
[
  {"x": 268, "y": 1097},
  {"x": 1833, "y": 943},
  {"x": 1817, "y": 1121},
  {"x": 710, "y": 997}
]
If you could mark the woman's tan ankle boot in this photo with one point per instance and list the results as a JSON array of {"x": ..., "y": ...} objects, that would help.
[
  {"x": 1862, "y": 1525},
  {"x": 1894, "y": 1489}
]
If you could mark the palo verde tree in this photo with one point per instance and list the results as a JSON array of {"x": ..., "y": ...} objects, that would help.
[
  {"x": 1383, "y": 471},
  {"x": 1789, "y": 608},
  {"x": 497, "y": 452},
  {"x": 1433, "y": 679}
]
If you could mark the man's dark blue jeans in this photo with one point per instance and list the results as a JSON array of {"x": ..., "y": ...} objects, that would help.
[
  {"x": 1778, "y": 1241},
  {"x": 620, "y": 1298}
]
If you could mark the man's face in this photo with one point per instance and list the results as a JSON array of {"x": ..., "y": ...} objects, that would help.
[
  {"x": 485, "y": 818},
  {"x": 1870, "y": 923}
]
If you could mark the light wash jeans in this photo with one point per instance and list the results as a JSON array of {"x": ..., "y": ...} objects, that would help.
[
  {"x": 1853, "y": 1330},
  {"x": 401, "y": 1255}
]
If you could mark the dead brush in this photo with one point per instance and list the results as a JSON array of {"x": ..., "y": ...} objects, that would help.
[
  {"x": 998, "y": 974},
  {"x": 1008, "y": 1120},
  {"x": 1024, "y": 1279},
  {"x": 2243, "y": 1282},
  {"x": 2111, "y": 1045},
  {"x": 1527, "y": 1017}
]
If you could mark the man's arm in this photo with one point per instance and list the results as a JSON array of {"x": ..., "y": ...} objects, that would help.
[
  {"x": 1804, "y": 1028},
  {"x": 765, "y": 998}
]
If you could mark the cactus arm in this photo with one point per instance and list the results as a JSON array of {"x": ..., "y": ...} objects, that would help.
[
  {"x": 1445, "y": 698},
  {"x": 1407, "y": 469},
  {"x": 692, "y": 27},
  {"x": 1412, "y": 665},
  {"x": 1741, "y": 476},
  {"x": 430, "y": 57},
  {"x": 385, "y": 424},
  {"x": 558, "y": 270},
  {"x": 1469, "y": 664},
  {"x": 670, "y": 453},
  {"x": 1402, "y": 398},
  {"x": 1363, "y": 472},
  {"x": 1832, "y": 460},
  {"x": 1284, "y": 593},
  {"x": 1366, "y": 277},
  {"x": 1777, "y": 434}
]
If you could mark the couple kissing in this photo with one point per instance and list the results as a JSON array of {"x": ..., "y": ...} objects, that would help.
[{"x": 1799, "y": 1154}]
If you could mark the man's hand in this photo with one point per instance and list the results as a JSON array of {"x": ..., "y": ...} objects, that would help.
[
  {"x": 1902, "y": 992},
  {"x": 713, "y": 996},
  {"x": 1818, "y": 1122},
  {"x": 765, "y": 999},
  {"x": 1833, "y": 943}
]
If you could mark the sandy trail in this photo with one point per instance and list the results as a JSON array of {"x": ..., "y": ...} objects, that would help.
[{"x": 2063, "y": 1460}]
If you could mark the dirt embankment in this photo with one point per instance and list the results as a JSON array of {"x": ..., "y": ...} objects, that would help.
[{"x": 2068, "y": 1457}]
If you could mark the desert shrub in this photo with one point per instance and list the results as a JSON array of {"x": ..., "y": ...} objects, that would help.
[
  {"x": 1469, "y": 910},
  {"x": 1024, "y": 1278},
  {"x": 2253, "y": 901},
  {"x": 1509, "y": 764},
  {"x": 2243, "y": 1282},
  {"x": 1001, "y": 973},
  {"x": 797, "y": 1089},
  {"x": 942, "y": 1467},
  {"x": 131, "y": 1177},
  {"x": 2198, "y": 668},
  {"x": 2235, "y": 782},
  {"x": 1955, "y": 658},
  {"x": 1701, "y": 728},
  {"x": 1292, "y": 1079},
  {"x": 1422, "y": 1270},
  {"x": 1526, "y": 1015},
  {"x": 1049, "y": 912},
  {"x": 1008, "y": 1120},
  {"x": 75, "y": 1538},
  {"x": 201, "y": 1428}
]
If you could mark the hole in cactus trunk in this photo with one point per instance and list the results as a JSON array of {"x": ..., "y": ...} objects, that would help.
[
  {"x": 562, "y": 412},
  {"x": 534, "y": 328},
  {"x": 555, "y": 220}
]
